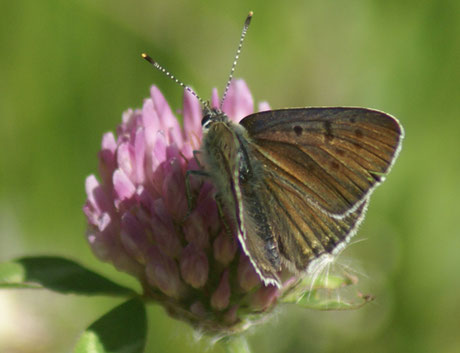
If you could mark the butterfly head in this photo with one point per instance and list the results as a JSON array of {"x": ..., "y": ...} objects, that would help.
[{"x": 211, "y": 116}]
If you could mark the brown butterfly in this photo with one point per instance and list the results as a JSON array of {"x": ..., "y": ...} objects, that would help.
[{"x": 297, "y": 181}]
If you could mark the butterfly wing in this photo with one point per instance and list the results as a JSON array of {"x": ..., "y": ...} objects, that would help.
[
  {"x": 306, "y": 181},
  {"x": 297, "y": 181},
  {"x": 256, "y": 232},
  {"x": 303, "y": 232},
  {"x": 331, "y": 157},
  {"x": 279, "y": 225}
]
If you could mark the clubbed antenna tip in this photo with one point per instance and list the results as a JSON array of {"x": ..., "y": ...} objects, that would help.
[
  {"x": 148, "y": 58},
  {"x": 248, "y": 19}
]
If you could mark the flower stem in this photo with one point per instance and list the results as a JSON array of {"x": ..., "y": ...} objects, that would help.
[{"x": 236, "y": 344}]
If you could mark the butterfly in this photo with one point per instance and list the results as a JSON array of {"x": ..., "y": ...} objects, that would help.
[{"x": 295, "y": 182}]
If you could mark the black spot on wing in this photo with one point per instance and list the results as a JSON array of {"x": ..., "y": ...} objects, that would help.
[
  {"x": 335, "y": 165},
  {"x": 298, "y": 130},
  {"x": 328, "y": 130}
]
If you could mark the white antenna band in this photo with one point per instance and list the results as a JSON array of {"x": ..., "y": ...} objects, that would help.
[
  {"x": 237, "y": 56},
  {"x": 168, "y": 74}
]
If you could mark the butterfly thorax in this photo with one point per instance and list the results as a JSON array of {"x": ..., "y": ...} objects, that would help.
[
  {"x": 225, "y": 145},
  {"x": 221, "y": 151}
]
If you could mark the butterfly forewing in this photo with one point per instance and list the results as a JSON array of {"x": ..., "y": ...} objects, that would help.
[{"x": 333, "y": 157}]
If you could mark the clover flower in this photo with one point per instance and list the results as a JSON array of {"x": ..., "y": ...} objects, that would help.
[{"x": 139, "y": 219}]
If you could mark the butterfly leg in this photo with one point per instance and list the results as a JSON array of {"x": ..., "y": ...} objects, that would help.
[
  {"x": 190, "y": 201},
  {"x": 188, "y": 191},
  {"x": 188, "y": 173},
  {"x": 195, "y": 154},
  {"x": 220, "y": 210}
]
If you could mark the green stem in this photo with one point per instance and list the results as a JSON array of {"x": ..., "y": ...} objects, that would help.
[{"x": 236, "y": 344}]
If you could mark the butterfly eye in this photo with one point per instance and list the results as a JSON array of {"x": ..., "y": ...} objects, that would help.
[{"x": 206, "y": 121}]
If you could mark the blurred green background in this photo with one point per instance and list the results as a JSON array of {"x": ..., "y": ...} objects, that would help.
[{"x": 68, "y": 69}]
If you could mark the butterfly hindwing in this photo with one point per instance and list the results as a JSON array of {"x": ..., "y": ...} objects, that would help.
[
  {"x": 284, "y": 225},
  {"x": 303, "y": 232},
  {"x": 256, "y": 232}
]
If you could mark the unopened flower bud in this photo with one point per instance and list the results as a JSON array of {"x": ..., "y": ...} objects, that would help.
[
  {"x": 194, "y": 266},
  {"x": 224, "y": 247},
  {"x": 221, "y": 297}
]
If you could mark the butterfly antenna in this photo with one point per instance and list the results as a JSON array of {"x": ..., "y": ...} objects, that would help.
[
  {"x": 243, "y": 34},
  {"x": 168, "y": 74}
]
